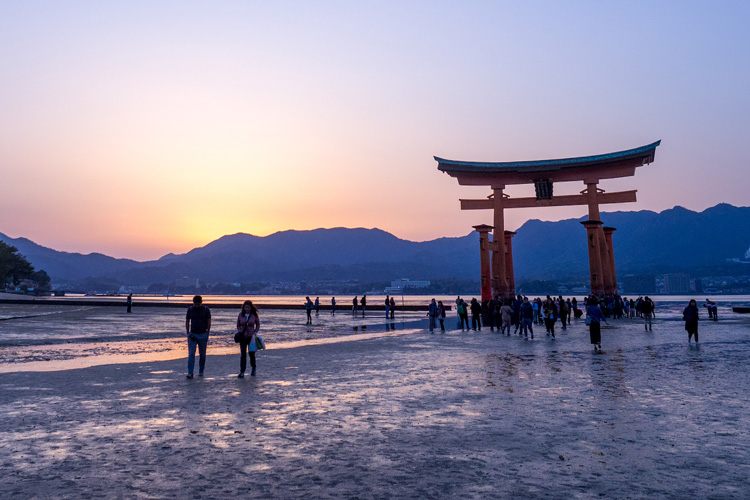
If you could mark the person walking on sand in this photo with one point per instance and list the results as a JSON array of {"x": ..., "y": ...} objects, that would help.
[
  {"x": 550, "y": 318},
  {"x": 333, "y": 306},
  {"x": 432, "y": 311},
  {"x": 507, "y": 314},
  {"x": 308, "y": 310},
  {"x": 647, "y": 308},
  {"x": 690, "y": 317},
  {"x": 197, "y": 326},
  {"x": 441, "y": 315},
  {"x": 526, "y": 315},
  {"x": 594, "y": 317},
  {"x": 248, "y": 325}
]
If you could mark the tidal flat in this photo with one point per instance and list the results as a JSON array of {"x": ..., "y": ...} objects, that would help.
[{"x": 393, "y": 414}]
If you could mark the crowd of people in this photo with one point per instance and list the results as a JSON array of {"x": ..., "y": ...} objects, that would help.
[{"x": 518, "y": 314}]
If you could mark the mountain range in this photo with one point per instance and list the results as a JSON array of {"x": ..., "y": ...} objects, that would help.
[{"x": 707, "y": 243}]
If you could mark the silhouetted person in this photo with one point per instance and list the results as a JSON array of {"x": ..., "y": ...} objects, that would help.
[
  {"x": 129, "y": 302},
  {"x": 690, "y": 317},
  {"x": 432, "y": 312},
  {"x": 248, "y": 325},
  {"x": 441, "y": 315},
  {"x": 197, "y": 326},
  {"x": 594, "y": 317},
  {"x": 363, "y": 303},
  {"x": 308, "y": 310}
]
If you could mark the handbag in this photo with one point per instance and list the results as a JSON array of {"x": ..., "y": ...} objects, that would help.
[
  {"x": 588, "y": 320},
  {"x": 259, "y": 342},
  {"x": 240, "y": 336}
]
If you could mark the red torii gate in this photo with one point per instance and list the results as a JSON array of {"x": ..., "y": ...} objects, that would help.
[{"x": 497, "y": 273}]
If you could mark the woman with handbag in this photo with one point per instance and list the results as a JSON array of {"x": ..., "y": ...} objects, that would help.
[{"x": 248, "y": 325}]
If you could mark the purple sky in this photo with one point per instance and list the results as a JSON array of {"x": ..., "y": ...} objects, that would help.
[{"x": 140, "y": 128}]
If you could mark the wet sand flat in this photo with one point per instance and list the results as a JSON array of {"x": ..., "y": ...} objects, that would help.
[{"x": 461, "y": 415}]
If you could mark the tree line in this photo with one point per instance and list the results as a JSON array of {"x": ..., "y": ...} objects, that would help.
[{"x": 14, "y": 268}]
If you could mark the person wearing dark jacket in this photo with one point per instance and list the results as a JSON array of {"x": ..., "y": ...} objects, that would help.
[
  {"x": 476, "y": 311},
  {"x": 690, "y": 317},
  {"x": 594, "y": 317},
  {"x": 526, "y": 313}
]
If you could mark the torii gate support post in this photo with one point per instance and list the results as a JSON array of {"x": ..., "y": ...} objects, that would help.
[
  {"x": 596, "y": 271},
  {"x": 613, "y": 274},
  {"x": 509, "y": 264},
  {"x": 604, "y": 281},
  {"x": 484, "y": 260},
  {"x": 499, "y": 266}
]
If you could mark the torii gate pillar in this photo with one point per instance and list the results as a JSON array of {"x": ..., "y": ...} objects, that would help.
[
  {"x": 611, "y": 262},
  {"x": 484, "y": 260},
  {"x": 596, "y": 268},
  {"x": 509, "y": 264}
]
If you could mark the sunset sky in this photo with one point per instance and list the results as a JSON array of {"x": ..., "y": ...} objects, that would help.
[{"x": 138, "y": 128}]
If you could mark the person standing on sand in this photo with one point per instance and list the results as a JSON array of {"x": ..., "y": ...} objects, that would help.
[
  {"x": 526, "y": 318},
  {"x": 129, "y": 302},
  {"x": 363, "y": 303},
  {"x": 387, "y": 306},
  {"x": 690, "y": 317},
  {"x": 432, "y": 312},
  {"x": 354, "y": 305},
  {"x": 317, "y": 306},
  {"x": 594, "y": 317},
  {"x": 333, "y": 306},
  {"x": 248, "y": 324},
  {"x": 476, "y": 310},
  {"x": 197, "y": 326},
  {"x": 463, "y": 314},
  {"x": 393, "y": 308},
  {"x": 308, "y": 310},
  {"x": 647, "y": 308},
  {"x": 441, "y": 315}
]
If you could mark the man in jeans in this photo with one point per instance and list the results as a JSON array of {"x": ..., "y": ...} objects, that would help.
[
  {"x": 527, "y": 318},
  {"x": 197, "y": 326}
]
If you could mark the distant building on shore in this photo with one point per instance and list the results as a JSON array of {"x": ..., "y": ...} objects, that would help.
[
  {"x": 400, "y": 286},
  {"x": 676, "y": 283}
]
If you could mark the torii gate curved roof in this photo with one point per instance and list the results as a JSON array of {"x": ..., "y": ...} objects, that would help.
[{"x": 586, "y": 168}]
